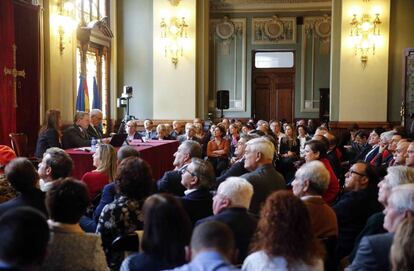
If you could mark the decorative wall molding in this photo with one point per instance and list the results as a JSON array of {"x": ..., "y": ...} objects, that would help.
[
  {"x": 226, "y": 6},
  {"x": 228, "y": 40},
  {"x": 274, "y": 30},
  {"x": 316, "y": 29},
  {"x": 319, "y": 26}
]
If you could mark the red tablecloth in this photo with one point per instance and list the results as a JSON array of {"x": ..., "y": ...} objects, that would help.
[{"x": 158, "y": 153}]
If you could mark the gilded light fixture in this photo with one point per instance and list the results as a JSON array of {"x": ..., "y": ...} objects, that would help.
[
  {"x": 174, "y": 35},
  {"x": 64, "y": 21},
  {"x": 365, "y": 34}
]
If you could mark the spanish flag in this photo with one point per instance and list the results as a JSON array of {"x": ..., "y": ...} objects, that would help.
[{"x": 82, "y": 100}]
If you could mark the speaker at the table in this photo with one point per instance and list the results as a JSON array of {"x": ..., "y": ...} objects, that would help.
[{"x": 223, "y": 99}]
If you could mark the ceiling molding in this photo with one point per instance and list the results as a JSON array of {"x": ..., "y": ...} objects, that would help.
[{"x": 250, "y": 6}]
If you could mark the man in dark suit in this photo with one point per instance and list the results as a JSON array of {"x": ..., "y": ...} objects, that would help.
[
  {"x": 373, "y": 251},
  {"x": 171, "y": 181},
  {"x": 263, "y": 176},
  {"x": 148, "y": 133},
  {"x": 237, "y": 168},
  {"x": 197, "y": 178},
  {"x": 94, "y": 129},
  {"x": 356, "y": 205},
  {"x": 230, "y": 206},
  {"x": 76, "y": 135},
  {"x": 23, "y": 177},
  {"x": 189, "y": 134}
]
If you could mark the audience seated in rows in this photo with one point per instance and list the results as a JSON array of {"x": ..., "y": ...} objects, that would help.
[
  {"x": 23, "y": 177},
  {"x": 70, "y": 247},
  {"x": 167, "y": 231},
  {"x": 373, "y": 251},
  {"x": 124, "y": 214},
  {"x": 284, "y": 239},
  {"x": 24, "y": 239},
  {"x": 230, "y": 206},
  {"x": 396, "y": 176},
  {"x": 171, "y": 180},
  {"x": 108, "y": 194}
]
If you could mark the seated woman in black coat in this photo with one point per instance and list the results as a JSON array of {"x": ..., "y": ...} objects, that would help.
[
  {"x": 49, "y": 134},
  {"x": 289, "y": 152},
  {"x": 167, "y": 231}
]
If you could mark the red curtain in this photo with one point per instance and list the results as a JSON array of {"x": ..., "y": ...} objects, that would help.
[{"x": 7, "y": 110}]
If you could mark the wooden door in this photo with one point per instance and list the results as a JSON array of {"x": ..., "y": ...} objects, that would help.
[
  {"x": 27, "y": 39},
  {"x": 273, "y": 93}
]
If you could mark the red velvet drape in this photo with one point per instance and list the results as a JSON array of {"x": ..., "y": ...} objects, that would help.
[{"x": 7, "y": 111}]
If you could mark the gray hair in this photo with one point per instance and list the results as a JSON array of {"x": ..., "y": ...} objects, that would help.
[
  {"x": 193, "y": 148},
  {"x": 387, "y": 135},
  {"x": 94, "y": 112},
  {"x": 237, "y": 190},
  {"x": 402, "y": 197},
  {"x": 79, "y": 115},
  {"x": 262, "y": 145},
  {"x": 204, "y": 172},
  {"x": 317, "y": 175},
  {"x": 398, "y": 175}
]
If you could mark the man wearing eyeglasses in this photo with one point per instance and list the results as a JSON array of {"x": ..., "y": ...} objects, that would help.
[
  {"x": 171, "y": 181},
  {"x": 356, "y": 204}
]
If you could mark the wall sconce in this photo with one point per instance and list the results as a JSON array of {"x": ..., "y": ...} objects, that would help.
[
  {"x": 64, "y": 21},
  {"x": 174, "y": 35},
  {"x": 365, "y": 34}
]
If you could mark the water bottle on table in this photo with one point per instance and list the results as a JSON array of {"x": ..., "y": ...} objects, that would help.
[{"x": 93, "y": 144}]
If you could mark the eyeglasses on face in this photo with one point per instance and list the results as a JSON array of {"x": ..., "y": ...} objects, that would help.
[
  {"x": 184, "y": 170},
  {"x": 357, "y": 173}
]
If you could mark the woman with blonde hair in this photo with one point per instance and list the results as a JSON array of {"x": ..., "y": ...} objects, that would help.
[
  {"x": 284, "y": 239},
  {"x": 49, "y": 133},
  {"x": 104, "y": 159},
  {"x": 402, "y": 249}
]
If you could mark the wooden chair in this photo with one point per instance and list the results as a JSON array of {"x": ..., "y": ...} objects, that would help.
[{"x": 19, "y": 143}]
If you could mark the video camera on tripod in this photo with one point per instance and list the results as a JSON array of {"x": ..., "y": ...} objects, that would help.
[{"x": 123, "y": 102}]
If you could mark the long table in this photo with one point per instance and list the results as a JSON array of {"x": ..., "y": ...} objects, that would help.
[{"x": 158, "y": 153}]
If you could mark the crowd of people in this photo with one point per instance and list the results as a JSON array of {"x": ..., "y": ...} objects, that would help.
[{"x": 255, "y": 195}]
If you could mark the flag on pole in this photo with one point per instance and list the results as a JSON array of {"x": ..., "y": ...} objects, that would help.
[
  {"x": 96, "y": 103},
  {"x": 82, "y": 100}
]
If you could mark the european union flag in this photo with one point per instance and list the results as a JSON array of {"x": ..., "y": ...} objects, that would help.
[{"x": 96, "y": 103}]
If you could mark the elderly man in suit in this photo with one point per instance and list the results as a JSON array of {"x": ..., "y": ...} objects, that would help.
[
  {"x": 197, "y": 178},
  {"x": 230, "y": 206},
  {"x": 373, "y": 252},
  {"x": 148, "y": 133},
  {"x": 189, "y": 134},
  {"x": 263, "y": 176},
  {"x": 94, "y": 129},
  {"x": 76, "y": 135},
  {"x": 171, "y": 181},
  {"x": 311, "y": 182}
]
